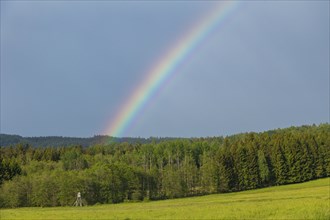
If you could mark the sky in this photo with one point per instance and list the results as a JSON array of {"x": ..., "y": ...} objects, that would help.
[{"x": 68, "y": 67}]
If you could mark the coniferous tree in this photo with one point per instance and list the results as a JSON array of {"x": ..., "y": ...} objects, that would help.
[
  {"x": 264, "y": 172},
  {"x": 253, "y": 170},
  {"x": 227, "y": 179},
  {"x": 307, "y": 164},
  {"x": 242, "y": 168},
  {"x": 280, "y": 165}
]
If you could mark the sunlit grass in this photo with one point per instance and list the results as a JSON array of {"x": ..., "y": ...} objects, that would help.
[{"x": 298, "y": 201}]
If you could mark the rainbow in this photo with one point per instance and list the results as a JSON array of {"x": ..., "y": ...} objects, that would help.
[{"x": 165, "y": 68}]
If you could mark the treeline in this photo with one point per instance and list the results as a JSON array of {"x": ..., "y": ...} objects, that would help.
[
  {"x": 58, "y": 141},
  {"x": 120, "y": 172}
]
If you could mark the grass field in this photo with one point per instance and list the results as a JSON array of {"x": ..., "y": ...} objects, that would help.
[{"x": 308, "y": 200}]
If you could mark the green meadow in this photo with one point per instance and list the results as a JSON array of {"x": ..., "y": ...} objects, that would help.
[{"x": 308, "y": 200}]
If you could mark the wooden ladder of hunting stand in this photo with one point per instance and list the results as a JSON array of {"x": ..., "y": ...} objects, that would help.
[{"x": 78, "y": 201}]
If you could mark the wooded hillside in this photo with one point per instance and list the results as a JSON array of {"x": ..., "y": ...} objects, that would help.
[{"x": 119, "y": 172}]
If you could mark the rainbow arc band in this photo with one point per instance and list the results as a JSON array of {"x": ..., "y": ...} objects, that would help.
[{"x": 166, "y": 67}]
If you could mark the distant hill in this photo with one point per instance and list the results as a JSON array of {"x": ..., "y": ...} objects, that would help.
[
  {"x": 59, "y": 141},
  {"x": 56, "y": 141}
]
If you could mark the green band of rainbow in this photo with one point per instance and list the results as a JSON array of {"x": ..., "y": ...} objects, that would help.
[{"x": 165, "y": 68}]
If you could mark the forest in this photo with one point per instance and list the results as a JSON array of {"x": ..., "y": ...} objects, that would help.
[{"x": 171, "y": 168}]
